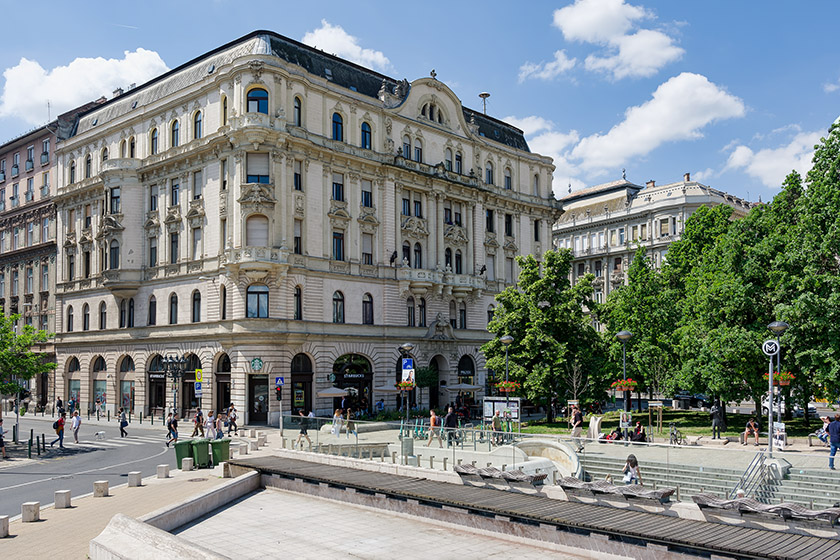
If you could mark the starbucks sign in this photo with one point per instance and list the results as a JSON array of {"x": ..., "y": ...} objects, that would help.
[{"x": 256, "y": 364}]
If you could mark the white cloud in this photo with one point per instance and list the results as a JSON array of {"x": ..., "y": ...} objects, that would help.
[
  {"x": 610, "y": 24},
  {"x": 530, "y": 125},
  {"x": 705, "y": 175},
  {"x": 772, "y": 165},
  {"x": 641, "y": 54},
  {"x": 29, "y": 86},
  {"x": 679, "y": 109},
  {"x": 333, "y": 39},
  {"x": 831, "y": 87},
  {"x": 547, "y": 70}
]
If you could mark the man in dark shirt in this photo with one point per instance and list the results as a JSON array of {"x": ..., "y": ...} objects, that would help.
[
  {"x": 833, "y": 439},
  {"x": 450, "y": 423}
]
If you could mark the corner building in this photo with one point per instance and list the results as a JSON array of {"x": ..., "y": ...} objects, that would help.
[{"x": 268, "y": 210}]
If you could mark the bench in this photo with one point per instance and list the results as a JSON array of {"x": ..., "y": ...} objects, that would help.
[
  {"x": 469, "y": 474},
  {"x": 574, "y": 486},
  {"x": 786, "y": 510},
  {"x": 815, "y": 435}
]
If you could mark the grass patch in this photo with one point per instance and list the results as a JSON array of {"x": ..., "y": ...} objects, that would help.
[{"x": 689, "y": 422}]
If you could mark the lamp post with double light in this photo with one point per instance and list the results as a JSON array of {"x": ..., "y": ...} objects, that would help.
[
  {"x": 174, "y": 367},
  {"x": 507, "y": 340}
]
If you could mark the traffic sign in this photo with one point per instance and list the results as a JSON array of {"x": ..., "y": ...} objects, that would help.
[
  {"x": 198, "y": 386},
  {"x": 198, "y": 374},
  {"x": 279, "y": 381},
  {"x": 770, "y": 347}
]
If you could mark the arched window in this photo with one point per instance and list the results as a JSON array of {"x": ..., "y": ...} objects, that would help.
[
  {"x": 421, "y": 308},
  {"x": 175, "y": 136},
  {"x": 536, "y": 185},
  {"x": 406, "y": 252},
  {"x": 196, "y": 307},
  {"x": 74, "y": 365},
  {"x": 103, "y": 316},
  {"x": 488, "y": 173},
  {"x": 72, "y": 172},
  {"x": 122, "y": 149},
  {"x": 406, "y": 148},
  {"x": 99, "y": 364},
  {"x": 131, "y": 313},
  {"x": 104, "y": 154},
  {"x": 223, "y": 302},
  {"x": 298, "y": 304},
  {"x": 86, "y": 317},
  {"x": 508, "y": 179},
  {"x": 197, "y": 126},
  {"x": 173, "y": 309},
  {"x": 459, "y": 163},
  {"x": 367, "y": 309},
  {"x": 154, "y": 141},
  {"x": 418, "y": 256},
  {"x": 224, "y": 110},
  {"x": 366, "y": 136},
  {"x": 409, "y": 307},
  {"x": 447, "y": 159},
  {"x": 459, "y": 262},
  {"x": 447, "y": 258},
  {"x": 338, "y": 307},
  {"x": 298, "y": 112},
  {"x": 462, "y": 315},
  {"x": 257, "y": 304},
  {"x": 337, "y": 127},
  {"x": 256, "y": 231},
  {"x": 258, "y": 101},
  {"x": 490, "y": 311},
  {"x": 131, "y": 147},
  {"x": 418, "y": 150},
  {"x": 114, "y": 255},
  {"x": 70, "y": 319},
  {"x": 152, "y": 311},
  {"x": 88, "y": 166},
  {"x": 123, "y": 313}
]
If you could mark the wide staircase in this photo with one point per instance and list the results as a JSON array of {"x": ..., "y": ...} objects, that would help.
[{"x": 815, "y": 486}]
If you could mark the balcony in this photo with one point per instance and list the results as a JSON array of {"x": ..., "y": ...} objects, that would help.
[
  {"x": 45, "y": 158},
  {"x": 15, "y": 170},
  {"x": 122, "y": 283},
  {"x": 256, "y": 262},
  {"x": 29, "y": 165},
  {"x": 420, "y": 281}
]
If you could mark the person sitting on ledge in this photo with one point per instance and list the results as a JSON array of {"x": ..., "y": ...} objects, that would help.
[
  {"x": 752, "y": 429},
  {"x": 639, "y": 433}
]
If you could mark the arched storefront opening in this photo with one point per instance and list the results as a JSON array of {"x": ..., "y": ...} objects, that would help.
[
  {"x": 466, "y": 376},
  {"x": 301, "y": 371},
  {"x": 188, "y": 402},
  {"x": 354, "y": 373},
  {"x": 222, "y": 377},
  {"x": 99, "y": 385},
  {"x": 127, "y": 383},
  {"x": 74, "y": 383},
  {"x": 434, "y": 391},
  {"x": 156, "y": 383}
]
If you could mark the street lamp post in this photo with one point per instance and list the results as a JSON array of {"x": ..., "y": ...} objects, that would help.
[
  {"x": 624, "y": 336},
  {"x": 174, "y": 368},
  {"x": 778, "y": 328},
  {"x": 506, "y": 340},
  {"x": 405, "y": 350}
]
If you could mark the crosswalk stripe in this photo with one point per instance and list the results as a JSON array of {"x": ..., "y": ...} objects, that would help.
[{"x": 103, "y": 443}]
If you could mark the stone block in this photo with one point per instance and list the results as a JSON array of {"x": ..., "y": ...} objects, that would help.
[
  {"x": 187, "y": 464},
  {"x": 62, "y": 499},
  {"x": 262, "y": 440},
  {"x": 163, "y": 471},
  {"x": 30, "y": 512},
  {"x": 252, "y": 433},
  {"x": 100, "y": 489},
  {"x": 243, "y": 448},
  {"x": 135, "y": 479},
  {"x": 225, "y": 469},
  {"x": 252, "y": 446},
  {"x": 4, "y": 526}
]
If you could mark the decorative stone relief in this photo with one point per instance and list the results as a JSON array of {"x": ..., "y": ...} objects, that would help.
[
  {"x": 455, "y": 235},
  {"x": 414, "y": 227},
  {"x": 195, "y": 215},
  {"x": 490, "y": 239},
  {"x": 300, "y": 205},
  {"x": 173, "y": 219}
]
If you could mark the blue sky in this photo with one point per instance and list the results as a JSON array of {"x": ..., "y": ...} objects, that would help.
[{"x": 736, "y": 93}]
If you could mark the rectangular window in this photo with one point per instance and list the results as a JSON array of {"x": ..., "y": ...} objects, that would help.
[
  {"x": 509, "y": 270},
  {"x": 663, "y": 227},
  {"x": 643, "y": 232},
  {"x": 491, "y": 267},
  {"x": 29, "y": 280},
  {"x": 30, "y": 234},
  {"x": 578, "y": 245},
  {"x": 509, "y": 225},
  {"x": 153, "y": 251},
  {"x": 87, "y": 216},
  {"x": 175, "y": 198},
  {"x": 617, "y": 263},
  {"x": 45, "y": 230},
  {"x": 14, "y": 282},
  {"x": 2, "y": 284},
  {"x": 115, "y": 200},
  {"x": 406, "y": 207},
  {"x": 71, "y": 267},
  {"x": 45, "y": 183},
  {"x": 338, "y": 187},
  {"x": 367, "y": 248},
  {"x": 45, "y": 277},
  {"x": 153, "y": 194},
  {"x": 223, "y": 231},
  {"x": 447, "y": 215},
  {"x": 198, "y": 185},
  {"x": 367, "y": 194},
  {"x": 196, "y": 243},
  {"x": 86, "y": 264},
  {"x": 338, "y": 246},
  {"x": 457, "y": 210},
  {"x": 489, "y": 221},
  {"x": 581, "y": 269},
  {"x": 598, "y": 269},
  {"x": 15, "y": 198},
  {"x": 223, "y": 173},
  {"x": 459, "y": 165},
  {"x": 2, "y": 200},
  {"x": 15, "y": 238},
  {"x": 2, "y": 241},
  {"x": 621, "y": 236},
  {"x": 537, "y": 226},
  {"x": 298, "y": 243},
  {"x": 298, "y": 166},
  {"x": 30, "y": 189},
  {"x": 601, "y": 243},
  {"x": 634, "y": 233},
  {"x": 418, "y": 208},
  {"x": 613, "y": 238},
  {"x": 257, "y": 168},
  {"x": 173, "y": 248},
  {"x": 674, "y": 226},
  {"x": 45, "y": 152}
]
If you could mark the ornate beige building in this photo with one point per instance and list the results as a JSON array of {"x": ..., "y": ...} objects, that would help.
[
  {"x": 268, "y": 210},
  {"x": 605, "y": 224}
]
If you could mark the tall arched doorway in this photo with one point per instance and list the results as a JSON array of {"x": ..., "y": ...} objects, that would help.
[
  {"x": 221, "y": 375},
  {"x": 126, "y": 383},
  {"x": 74, "y": 383},
  {"x": 354, "y": 373},
  {"x": 434, "y": 390},
  {"x": 301, "y": 383},
  {"x": 189, "y": 403},
  {"x": 156, "y": 383}
]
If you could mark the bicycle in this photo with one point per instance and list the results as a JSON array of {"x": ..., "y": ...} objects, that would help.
[{"x": 676, "y": 437}]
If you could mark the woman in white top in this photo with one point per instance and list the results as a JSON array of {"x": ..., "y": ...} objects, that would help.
[
  {"x": 632, "y": 471},
  {"x": 210, "y": 426},
  {"x": 75, "y": 425},
  {"x": 336, "y": 429}
]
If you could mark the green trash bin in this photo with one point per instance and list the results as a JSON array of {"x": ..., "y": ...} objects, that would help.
[
  {"x": 221, "y": 450},
  {"x": 200, "y": 452},
  {"x": 182, "y": 450}
]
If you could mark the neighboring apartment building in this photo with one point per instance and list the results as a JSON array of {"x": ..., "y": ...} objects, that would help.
[
  {"x": 268, "y": 210},
  {"x": 604, "y": 225},
  {"x": 27, "y": 233}
]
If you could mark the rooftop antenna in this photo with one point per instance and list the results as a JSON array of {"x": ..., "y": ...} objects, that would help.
[{"x": 484, "y": 95}]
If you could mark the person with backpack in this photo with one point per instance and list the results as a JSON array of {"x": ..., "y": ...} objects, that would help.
[
  {"x": 434, "y": 429},
  {"x": 58, "y": 426},
  {"x": 123, "y": 423},
  {"x": 198, "y": 423},
  {"x": 232, "y": 420}
]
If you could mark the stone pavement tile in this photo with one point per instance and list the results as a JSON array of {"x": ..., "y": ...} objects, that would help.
[{"x": 66, "y": 533}]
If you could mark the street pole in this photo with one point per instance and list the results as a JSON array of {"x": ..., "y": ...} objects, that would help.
[
  {"x": 507, "y": 393},
  {"x": 624, "y": 377},
  {"x": 769, "y": 407}
]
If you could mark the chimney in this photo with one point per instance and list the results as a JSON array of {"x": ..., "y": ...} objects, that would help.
[
  {"x": 118, "y": 92},
  {"x": 687, "y": 177},
  {"x": 650, "y": 184}
]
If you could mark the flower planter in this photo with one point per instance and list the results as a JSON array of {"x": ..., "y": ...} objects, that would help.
[
  {"x": 506, "y": 389},
  {"x": 784, "y": 382}
]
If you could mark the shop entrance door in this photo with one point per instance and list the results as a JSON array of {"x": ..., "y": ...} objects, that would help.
[{"x": 258, "y": 399}]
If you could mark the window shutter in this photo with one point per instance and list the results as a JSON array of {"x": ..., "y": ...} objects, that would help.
[
  {"x": 257, "y": 164},
  {"x": 367, "y": 243},
  {"x": 256, "y": 231}
]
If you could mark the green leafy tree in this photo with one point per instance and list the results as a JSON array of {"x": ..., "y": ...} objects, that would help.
[
  {"x": 556, "y": 353},
  {"x": 18, "y": 362},
  {"x": 425, "y": 377}
]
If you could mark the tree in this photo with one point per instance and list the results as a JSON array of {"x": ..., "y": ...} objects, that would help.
[
  {"x": 425, "y": 377},
  {"x": 554, "y": 340},
  {"x": 18, "y": 362}
]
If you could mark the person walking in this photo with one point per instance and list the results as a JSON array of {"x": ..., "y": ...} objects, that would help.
[
  {"x": 351, "y": 424},
  {"x": 58, "y": 426},
  {"x": 210, "y": 426},
  {"x": 123, "y": 423},
  {"x": 496, "y": 426},
  {"x": 304, "y": 426},
  {"x": 75, "y": 424},
  {"x": 2, "y": 442},
  {"x": 59, "y": 406},
  {"x": 577, "y": 427},
  {"x": 450, "y": 423},
  {"x": 220, "y": 426},
  {"x": 232, "y": 420},
  {"x": 833, "y": 439},
  {"x": 434, "y": 428},
  {"x": 336, "y": 429},
  {"x": 632, "y": 471},
  {"x": 172, "y": 425},
  {"x": 198, "y": 423}
]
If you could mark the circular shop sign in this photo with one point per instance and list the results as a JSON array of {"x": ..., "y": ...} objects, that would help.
[{"x": 256, "y": 364}]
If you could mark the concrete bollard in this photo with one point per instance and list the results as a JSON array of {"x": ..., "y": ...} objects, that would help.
[
  {"x": 252, "y": 433},
  {"x": 163, "y": 471},
  {"x": 445, "y": 460},
  {"x": 262, "y": 440},
  {"x": 382, "y": 455},
  {"x": 30, "y": 512},
  {"x": 100, "y": 489},
  {"x": 4, "y": 526},
  {"x": 432, "y": 462},
  {"x": 62, "y": 499},
  {"x": 252, "y": 446},
  {"x": 135, "y": 479},
  {"x": 504, "y": 466},
  {"x": 554, "y": 477},
  {"x": 187, "y": 464},
  {"x": 283, "y": 443},
  {"x": 459, "y": 461},
  {"x": 225, "y": 469},
  {"x": 243, "y": 449},
  {"x": 394, "y": 457}
]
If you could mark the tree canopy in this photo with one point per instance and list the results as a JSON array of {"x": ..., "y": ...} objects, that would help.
[{"x": 18, "y": 362}]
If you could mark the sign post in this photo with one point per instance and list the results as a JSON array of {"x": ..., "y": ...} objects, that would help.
[
  {"x": 770, "y": 349},
  {"x": 279, "y": 381}
]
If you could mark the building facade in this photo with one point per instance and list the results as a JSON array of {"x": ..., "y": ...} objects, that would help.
[
  {"x": 270, "y": 211},
  {"x": 604, "y": 225}
]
